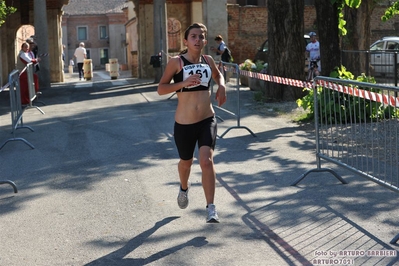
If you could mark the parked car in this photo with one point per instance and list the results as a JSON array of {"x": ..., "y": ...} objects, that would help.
[
  {"x": 263, "y": 50},
  {"x": 382, "y": 56}
]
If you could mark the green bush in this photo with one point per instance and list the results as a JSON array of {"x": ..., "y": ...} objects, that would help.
[
  {"x": 259, "y": 66},
  {"x": 339, "y": 107}
]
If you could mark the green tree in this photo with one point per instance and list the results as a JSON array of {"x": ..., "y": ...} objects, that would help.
[
  {"x": 328, "y": 19},
  {"x": 332, "y": 25},
  {"x": 5, "y": 11},
  {"x": 286, "y": 47},
  {"x": 335, "y": 19},
  {"x": 391, "y": 11},
  {"x": 357, "y": 38},
  {"x": 285, "y": 29},
  {"x": 356, "y": 30}
]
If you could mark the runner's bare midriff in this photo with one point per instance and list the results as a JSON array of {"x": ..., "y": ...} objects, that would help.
[{"x": 196, "y": 107}]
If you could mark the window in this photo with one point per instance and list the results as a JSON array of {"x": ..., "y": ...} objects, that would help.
[
  {"x": 88, "y": 54},
  {"x": 103, "y": 56},
  {"x": 377, "y": 46},
  {"x": 247, "y": 2},
  {"x": 82, "y": 33},
  {"x": 103, "y": 32},
  {"x": 392, "y": 45}
]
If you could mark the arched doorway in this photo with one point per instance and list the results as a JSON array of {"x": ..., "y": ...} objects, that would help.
[{"x": 24, "y": 32}]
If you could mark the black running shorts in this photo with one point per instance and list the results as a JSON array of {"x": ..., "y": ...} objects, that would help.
[{"x": 186, "y": 136}]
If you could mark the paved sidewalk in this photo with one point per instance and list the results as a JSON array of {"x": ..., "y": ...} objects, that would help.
[
  {"x": 98, "y": 75},
  {"x": 100, "y": 187}
]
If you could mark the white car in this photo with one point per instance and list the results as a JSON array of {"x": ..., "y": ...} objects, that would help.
[{"x": 382, "y": 56}]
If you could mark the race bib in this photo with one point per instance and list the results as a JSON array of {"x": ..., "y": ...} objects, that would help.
[{"x": 202, "y": 69}]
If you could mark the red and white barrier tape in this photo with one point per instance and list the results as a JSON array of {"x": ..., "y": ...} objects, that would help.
[
  {"x": 369, "y": 95},
  {"x": 373, "y": 96},
  {"x": 276, "y": 79}
]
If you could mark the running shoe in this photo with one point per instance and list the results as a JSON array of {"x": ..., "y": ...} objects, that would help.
[
  {"x": 212, "y": 214},
  {"x": 182, "y": 198}
]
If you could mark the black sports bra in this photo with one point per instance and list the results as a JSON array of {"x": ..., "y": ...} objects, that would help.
[{"x": 189, "y": 68}]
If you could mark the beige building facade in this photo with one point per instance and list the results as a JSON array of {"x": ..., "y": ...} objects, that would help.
[
  {"x": 134, "y": 31},
  {"x": 43, "y": 15},
  {"x": 126, "y": 32},
  {"x": 101, "y": 27},
  {"x": 175, "y": 16}
]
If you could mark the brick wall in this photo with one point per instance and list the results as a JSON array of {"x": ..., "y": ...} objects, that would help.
[
  {"x": 247, "y": 28},
  {"x": 92, "y": 23},
  {"x": 310, "y": 19},
  {"x": 380, "y": 29}
]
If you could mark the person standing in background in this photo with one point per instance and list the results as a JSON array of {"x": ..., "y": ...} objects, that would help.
[
  {"x": 80, "y": 55},
  {"x": 33, "y": 45},
  {"x": 313, "y": 50},
  {"x": 34, "y": 50},
  {"x": 220, "y": 48},
  {"x": 63, "y": 56},
  {"x": 26, "y": 56}
]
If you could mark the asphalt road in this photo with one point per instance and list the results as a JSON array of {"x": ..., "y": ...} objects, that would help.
[{"x": 100, "y": 187}]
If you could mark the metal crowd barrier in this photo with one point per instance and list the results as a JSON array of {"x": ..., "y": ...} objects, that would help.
[
  {"x": 16, "y": 108},
  {"x": 33, "y": 95},
  {"x": 8, "y": 181},
  {"x": 348, "y": 135},
  {"x": 234, "y": 70}
]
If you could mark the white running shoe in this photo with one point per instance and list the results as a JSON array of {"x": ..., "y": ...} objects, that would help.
[
  {"x": 182, "y": 198},
  {"x": 212, "y": 214}
]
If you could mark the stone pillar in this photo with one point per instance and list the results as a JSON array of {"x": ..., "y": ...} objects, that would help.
[
  {"x": 213, "y": 20},
  {"x": 1, "y": 67},
  {"x": 55, "y": 45},
  {"x": 135, "y": 64},
  {"x": 41, "y": 34},
  {"x": 160, "y": 36}
]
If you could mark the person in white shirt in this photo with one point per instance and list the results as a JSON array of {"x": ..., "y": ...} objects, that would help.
[
  {"x": 80, "y": 54},
  {"x": 313, "y": 50},
  {"x": 26, "y": 56}
]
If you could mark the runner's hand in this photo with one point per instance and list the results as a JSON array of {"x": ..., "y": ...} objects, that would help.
[
  {"x": 192, "y": 80},
  {"x": 221, "y": 95}
]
